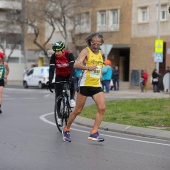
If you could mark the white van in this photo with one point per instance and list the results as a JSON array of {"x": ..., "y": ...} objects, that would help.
[{"x": 37, "y": 77}]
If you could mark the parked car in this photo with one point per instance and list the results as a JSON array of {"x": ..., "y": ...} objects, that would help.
[{"x": 36, "y": 77}]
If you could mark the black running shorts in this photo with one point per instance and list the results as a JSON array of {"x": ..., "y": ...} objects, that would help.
[
  {"x": 2, "y": 83},
  {"x": 89, "y": 91}
]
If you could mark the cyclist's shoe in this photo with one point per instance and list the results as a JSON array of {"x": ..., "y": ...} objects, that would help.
[
  {"x": 95, "y": 137},
  {"x": 59, "y": 121},
  {"x": 72, "y": 103},
  {"x": 66, "y": 136},
  {"x": 0, "y": 111}
]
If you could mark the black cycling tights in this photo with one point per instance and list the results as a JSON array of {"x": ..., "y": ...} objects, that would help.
[
  {"x": 58, "y": 92},
  {"x": 59, "y": 88}
]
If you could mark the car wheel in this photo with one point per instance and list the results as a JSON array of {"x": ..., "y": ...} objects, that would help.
[
  {"x": 40, "y": 85},
  {"x": 25, "y": 85}
]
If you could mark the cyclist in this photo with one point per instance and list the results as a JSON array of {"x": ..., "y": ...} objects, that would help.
[
  {"x": 90, "y": 61},
  {"x": 4, "y": 71},
  {"x": 61, "y": 63}
]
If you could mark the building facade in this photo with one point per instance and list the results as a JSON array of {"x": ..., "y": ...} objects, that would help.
[
  {"x": 113, "y": 20},
  {"x": 129, "y": 27},
  {"x": 150, "y": 21},
  {"x": 10, "y": 32}
]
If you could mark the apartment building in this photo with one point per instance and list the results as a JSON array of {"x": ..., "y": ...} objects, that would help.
[
  {"x": 13, "y": 33},
  {"x": 113, "y": 20},
  {"x": 150, "y": 21},
  {"x": 16, "y": 39},
  {"x": 130, "y": 27},
  {"x": 10, "y": 32}
]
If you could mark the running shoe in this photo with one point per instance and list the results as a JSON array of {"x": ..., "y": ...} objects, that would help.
[
  {"x": 72, "y": 103},
  {"x": 95, "y": 137},
  {"x": 66, "y": 136}
]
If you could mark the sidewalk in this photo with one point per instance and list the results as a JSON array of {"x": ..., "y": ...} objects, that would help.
[
  {"x": 139, "y": 131},
  {"x": 14, "y": 83},
  {"x": 114, "y": 127}
]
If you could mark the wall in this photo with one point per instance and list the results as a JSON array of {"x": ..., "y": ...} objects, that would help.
[{"x": 16, "y": 71}]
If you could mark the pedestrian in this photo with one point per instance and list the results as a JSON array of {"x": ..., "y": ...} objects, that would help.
[
  {"x": 90, "y": 61},
  {"x": 78, "y": 74},
  {"x": 155, "y": 78},
  {"x": 61, "y": 64},
  {"x": 25, "y": 72},
  {"x": 142, "y": 83},
  {"x": 4, "y": 71},
  {"x": 145, "y": 80},
  {"x": 115, "y": 78},
  {"x": 167, "y": 71},
  {"x": 106, "y": 76}
]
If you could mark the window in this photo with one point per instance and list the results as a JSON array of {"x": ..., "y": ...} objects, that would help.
[
  {"x": 30, "y": 72},
  {"x": 163, "y": 12},
  {"x": 2, "y": 40},
  {"x": 78, "y": 23},
  {"x": 87, "y": 22},
  {"x": 143, "y": 14},
  {"x": 101, "y": 21},
  {"x": 31, "y": 27},
  {"x": 114, "y": 20},
  {"x": 83, "y": 23}
]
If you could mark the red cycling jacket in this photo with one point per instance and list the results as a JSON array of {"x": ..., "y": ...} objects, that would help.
[{"x": 63, "y": 65}]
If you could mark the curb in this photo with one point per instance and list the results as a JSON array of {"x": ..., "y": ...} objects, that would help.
[{"x": 126, "y": 129}]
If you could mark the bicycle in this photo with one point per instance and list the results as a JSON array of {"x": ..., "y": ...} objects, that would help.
[{"x": 65, "y": 109}]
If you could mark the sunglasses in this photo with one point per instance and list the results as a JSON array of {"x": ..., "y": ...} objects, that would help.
[{"x": 99, "y": 44}]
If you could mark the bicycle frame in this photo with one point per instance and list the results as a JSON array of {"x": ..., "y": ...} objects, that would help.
[{"x": 64, "y": 111}]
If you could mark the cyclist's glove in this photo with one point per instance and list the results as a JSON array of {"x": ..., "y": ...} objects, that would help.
[{"x": 49, "y": 86}]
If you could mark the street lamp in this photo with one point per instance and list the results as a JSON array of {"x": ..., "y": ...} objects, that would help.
[{"x": 158, "y": 30}]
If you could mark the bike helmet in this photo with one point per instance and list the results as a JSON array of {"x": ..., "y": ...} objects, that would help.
[
  {"x": 58, "y": 46},
  {"x": 1, "y": 55}
]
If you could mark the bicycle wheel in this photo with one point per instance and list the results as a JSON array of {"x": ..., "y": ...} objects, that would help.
[{"x": 61, "y": 113}]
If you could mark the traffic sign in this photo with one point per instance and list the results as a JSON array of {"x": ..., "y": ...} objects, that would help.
[
  {"x": 158, "y": 46},
  {"x": 158, "y": 57},
  {"x": 106, "y": 49}
]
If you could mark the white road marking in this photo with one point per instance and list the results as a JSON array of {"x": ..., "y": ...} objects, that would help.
[{"x": 42, "y": 117}]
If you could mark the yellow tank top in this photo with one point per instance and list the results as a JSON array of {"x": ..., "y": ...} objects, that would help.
[{"x": 92, "y": 78}]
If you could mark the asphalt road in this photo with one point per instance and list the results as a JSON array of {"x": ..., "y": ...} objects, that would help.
[{"x": 29, "y": 140}]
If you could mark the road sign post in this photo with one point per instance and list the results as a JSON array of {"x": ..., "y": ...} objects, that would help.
[
  {"x": 158, "y": 56},
  {"x": 106, "y": 49}
]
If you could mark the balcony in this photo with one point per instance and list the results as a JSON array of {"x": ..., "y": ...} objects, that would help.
[
  {"x": 16, "y": 53},
  {"x": 11, "y": 4},
  {"x": 14, "y": 29},
  {"x": 101, "y": 28},
  {"x": 114, "y": 27}
]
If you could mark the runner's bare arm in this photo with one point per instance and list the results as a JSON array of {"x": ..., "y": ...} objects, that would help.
[
  {"x": 7, "y": 68},
  {"x": 81, "y": 59}
]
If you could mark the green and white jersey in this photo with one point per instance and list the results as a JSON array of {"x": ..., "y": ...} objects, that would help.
[{"x": 2, "y": 72}]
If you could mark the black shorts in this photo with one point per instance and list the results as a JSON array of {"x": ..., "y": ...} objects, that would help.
[
  {"x": 2, "y": 83},
  {"x": 89, "y": 91}
]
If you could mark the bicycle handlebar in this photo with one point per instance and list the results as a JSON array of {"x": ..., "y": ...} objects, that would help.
[{"x": 60, "y": 82}]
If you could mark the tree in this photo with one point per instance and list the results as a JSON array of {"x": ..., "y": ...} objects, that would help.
[
  {"x": 66, "y": 17},
  {"x": 51, "y": 15},
  {"x": 10, "y": 35},
  {"x": 35, "y": 18}
]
